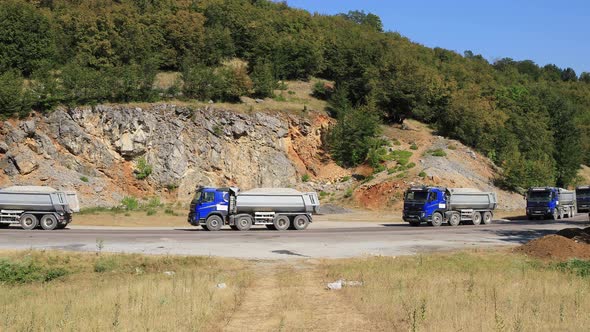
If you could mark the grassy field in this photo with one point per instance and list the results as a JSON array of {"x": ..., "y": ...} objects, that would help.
[
  {"x": 51, "y": 291},
  {"x": 465, "y": 292}
]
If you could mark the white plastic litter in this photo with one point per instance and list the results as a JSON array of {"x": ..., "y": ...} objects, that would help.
[
  {"x": 335, "y": 285},
  {"x": 222, "y": 285},
  {"x": 169, "y": 273}
]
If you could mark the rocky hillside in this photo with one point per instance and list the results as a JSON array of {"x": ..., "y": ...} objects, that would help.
[{"x": 108, "y": 152}]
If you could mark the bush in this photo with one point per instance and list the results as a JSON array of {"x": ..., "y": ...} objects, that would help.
[
  {"x": 575, "y": 266},
  {"x": 348, "y": 193},
  {"x": 143, "y": 169},
  {"x": 84, "y": 179},
  {"x": 105, "y": 264},
  {"x": 414, "y": 146},
  {"x": 170, "y": 212},
  {"x": 322, "y": 90},
  {"x": 410, "y": 165},
  {"x": 263, "y": 79},
  {"x": 437, "y": 153},
  {"x": 151, "y": 211},
  {"x": 130, "y": 203},
  {"x": 401, "y": 156},
  {"x": 422, "y": 174},
  {"x": 345, "y": 178},
  {"x": 305, "y": 178},
  {"x": 28, "y": 271},
  {"x": 154, "y": 202}
]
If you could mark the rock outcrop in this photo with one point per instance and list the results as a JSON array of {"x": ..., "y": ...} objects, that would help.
[{"x": 96, "y": 150}]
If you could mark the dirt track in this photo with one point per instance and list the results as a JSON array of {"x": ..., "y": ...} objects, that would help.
[{"x": 322, "y": 239}]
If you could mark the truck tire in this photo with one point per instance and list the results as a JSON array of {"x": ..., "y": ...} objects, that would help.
[
  {"x": 476, "y": 218},
  {"x": 300, "y": 222},
  {"x": 573, "y": 212},
  {"x": 487, "y": 217},
  {"x": 48, "y": 222},
  {"x": 414, "y": 223},
  {"x": 560, "y": 214},
  {"x": 281, "y": 223},
  {"x": 437, "y": 219},
  {"x": 28, "y": 221},
  {"x": 214, "y": 223},
  {"x": 555, "y": 215},
  {"x": 243, "y": 223},
  {"x": 454, "y": 219}
]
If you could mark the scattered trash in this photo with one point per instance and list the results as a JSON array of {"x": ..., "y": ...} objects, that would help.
[
  {"x": 352, "y": 283},
  {"x": 338, "y": 284},
  {"x": 138, "y": 270},
  {"x": 335, "y": 285},
  {"x": 169, "y": 273},
  {"x": 222, "y": 285}
]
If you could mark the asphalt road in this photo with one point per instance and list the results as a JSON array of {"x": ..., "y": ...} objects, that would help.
[{"x": 327, "y": 239}]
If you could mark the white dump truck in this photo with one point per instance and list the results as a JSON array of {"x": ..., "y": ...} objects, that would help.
[
  {"x": 33, "y": 206},
  {"x": 276, "y": 208}
]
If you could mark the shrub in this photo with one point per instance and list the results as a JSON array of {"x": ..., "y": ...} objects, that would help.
[
  {"x": 13, "y": 99},
  {"x": 345, "y": 178},
  {"x": 143, "y": 169},
  {"x": 410, "y": 165},
  {"x": 84, "y": 179},
  {"x": 151, "y": 211},
  {"x": 28, "y": 271},
  {"x": 401, "y": 156},
  {"x": 396, "y": 142},
  {"x": 263, "y": 80},
  {"x": 422, "y": 174},
  {"x": 348, "y": 193},
  {"x": 414, "y": 146},
  {"x": 130, "y": 203},
  {"x": 575, "y": 266},
  {"x": 323, "y": 194},
  {"x": 437, "y": 153},
  {"x": 105, "y": 264},
  {"x": 170, "y": 212},
  {"x": 171, "y": 186},
  {"x": 305, "y": 178},
  {"x": 322, "y": 90}
]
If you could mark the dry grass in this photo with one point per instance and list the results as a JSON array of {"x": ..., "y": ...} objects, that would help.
[
  {"x": 165, "y": 80},
  {"x": 133, "y": 219},
  {"x": 131, "y": 294},
  {"x": 465, "y": 292}
]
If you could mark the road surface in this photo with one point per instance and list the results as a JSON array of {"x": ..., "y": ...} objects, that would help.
[{"x": 326, "y": 239}]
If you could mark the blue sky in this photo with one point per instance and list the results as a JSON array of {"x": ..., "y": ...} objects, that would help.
[{"x": 543, "y": 31}]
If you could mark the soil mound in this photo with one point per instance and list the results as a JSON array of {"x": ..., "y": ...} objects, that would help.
[
  {"x": 577, "y": 234},
  {"x": 555, "y": 247}
]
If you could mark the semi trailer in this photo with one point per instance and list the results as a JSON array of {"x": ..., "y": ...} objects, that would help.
[
  {"x": 33, "y": 206},
  {"x": 275, "y": 208},
  {"x": 550, "y": 202},
  {"x": 436, "y": 205},
  {"x": 583, "y": 198}
]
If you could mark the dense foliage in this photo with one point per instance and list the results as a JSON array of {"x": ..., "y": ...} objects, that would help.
[{"x": 533, "y": 121}]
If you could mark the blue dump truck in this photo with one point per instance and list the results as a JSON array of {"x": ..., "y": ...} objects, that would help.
[
  {"x": 583, "y": 198},
  {"x": 550, "y": 202},
  {"x": 276, "y": 208},
  {"x": 436, "y": 205}
]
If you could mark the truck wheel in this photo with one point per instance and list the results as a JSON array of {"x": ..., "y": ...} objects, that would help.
[
  {"x": 214, "y": 223},
  {"x": 414, "y": 223},
  {"x": 561, "y": 214},
  {"x": 48, "y": 222},
  {"x": 244, "y": 223},
  {"x": 555, "y": 215},
  {"x": 28, "y": 221},
  {"x": 300, "y": 222},
  {"x": 281, "y": 223},
  {"x": 437, "y": 219},
  {"x": 573, "y": 212},
  {"x": 476, "y": 218},
  {"x": 487, "y": 217},
  {"x": 454, "y": 219}
]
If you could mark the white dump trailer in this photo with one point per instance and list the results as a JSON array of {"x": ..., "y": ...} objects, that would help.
[
  {"x": 32, "y": 206},
  {"x": 276, "y": 208}
]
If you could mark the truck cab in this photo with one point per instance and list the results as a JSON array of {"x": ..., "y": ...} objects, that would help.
[
  {"x": 542, "y": 202},
  {"x": 421, "y": 202},
  {"x": 583, "y": 198},
  {"x": 208, "y": 201}
]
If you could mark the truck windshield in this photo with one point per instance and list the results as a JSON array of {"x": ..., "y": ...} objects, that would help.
[
  {"x": 197, "y": 197},
  {"x": 583, "y": 193},
  {"x": 539, "y": 196},
  {"x": 417, "y": 196}
]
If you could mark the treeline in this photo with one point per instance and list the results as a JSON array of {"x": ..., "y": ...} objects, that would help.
[{"x": 532, "y": 121}]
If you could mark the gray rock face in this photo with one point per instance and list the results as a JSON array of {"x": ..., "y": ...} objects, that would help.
[{"x": 183, "y": 146}]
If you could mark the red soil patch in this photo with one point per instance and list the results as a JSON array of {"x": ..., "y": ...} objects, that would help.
[{"x": 378, "y": 196}]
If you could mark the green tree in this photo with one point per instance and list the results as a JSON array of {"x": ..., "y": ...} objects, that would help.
[
  {"x": 354, "y": 135},
  {"x": 13, "y": 99},
  {"x": 25, "y": 37},
  {"x": 568, "y": 153},
  {"x": 263, "y": 79}
]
